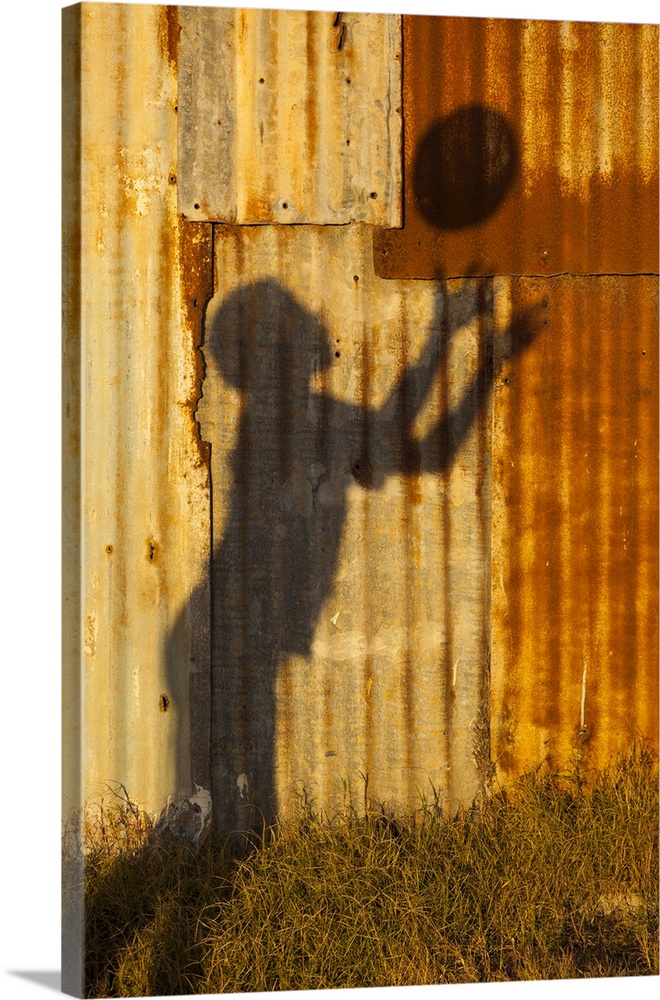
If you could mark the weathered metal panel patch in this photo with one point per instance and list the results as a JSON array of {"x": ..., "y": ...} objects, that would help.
[
  {"x": 531, "y": 147},
  {"x": 289, "y": 116},
  {"x": 575, "y": 524},
  {"x": 145, "y": 491},
  {"x": 348, "y": 420}
]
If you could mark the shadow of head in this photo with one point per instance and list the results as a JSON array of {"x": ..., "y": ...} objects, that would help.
[
  {"x": 464, "y": 166},
  {"x": 264, "y": 342}
]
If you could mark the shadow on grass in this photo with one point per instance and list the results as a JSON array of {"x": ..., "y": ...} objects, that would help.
[{"x": 550, "y": 881}]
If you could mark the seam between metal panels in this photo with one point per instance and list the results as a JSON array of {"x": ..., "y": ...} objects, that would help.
[
  {"x": 529, "y": 274},
  {"x": 542, "y": 277},
  {"x": 587, "y": 274},
  {"x": 284, "y": 225}
]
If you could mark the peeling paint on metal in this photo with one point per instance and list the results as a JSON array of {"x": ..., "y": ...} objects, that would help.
[
  {"x": 287, "y": 118},
  {"x": 188, "y": 819},
  {"x": 531, "y": 147},
  {"x": 575, "y": 526}
]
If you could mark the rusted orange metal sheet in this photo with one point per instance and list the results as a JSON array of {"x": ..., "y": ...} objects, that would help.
[
  {"x": 289, "y": 116},
  {"x": 575, "y": 524},
  {"x": 530, "y": 147}
]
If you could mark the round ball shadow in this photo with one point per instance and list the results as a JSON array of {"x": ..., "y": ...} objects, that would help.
[{"x": 464, "y": 166}]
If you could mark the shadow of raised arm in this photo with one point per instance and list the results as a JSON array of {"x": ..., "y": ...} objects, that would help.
[
  {"x": 452, "y": 311},
  {"x": 449, "y": 434}
]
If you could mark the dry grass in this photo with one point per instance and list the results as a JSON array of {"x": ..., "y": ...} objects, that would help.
[{"x": 560, "y": 882}]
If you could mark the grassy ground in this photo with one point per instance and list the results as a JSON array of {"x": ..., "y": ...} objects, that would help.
[{"x": 554, "y": 882}]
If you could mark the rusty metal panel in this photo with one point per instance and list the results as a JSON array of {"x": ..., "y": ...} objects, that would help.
[
  {"x": 531, "y": 147},
  {"x": 575, "y": 525},
  {"x": 289, "y": 116},
  {"x": 138, "y": 283},
  {"x": 349, "y": 432},
  {"x": 350, "y": 418}
]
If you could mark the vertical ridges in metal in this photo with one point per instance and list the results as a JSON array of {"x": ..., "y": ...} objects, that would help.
[
  {"x": 279, "y": 123},
  {"x": 356, "y": 570},
  {"x": 351, "y": 653},
  {"x": 575, "y": 527},
  {"x": 145, "y": 488},
  {"x": 582, "y": 195}
]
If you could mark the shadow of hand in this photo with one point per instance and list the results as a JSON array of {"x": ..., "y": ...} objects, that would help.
[{"x": 526, "y": 326}]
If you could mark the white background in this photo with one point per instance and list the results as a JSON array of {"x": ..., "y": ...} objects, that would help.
[{"x": 30, "y": 487}]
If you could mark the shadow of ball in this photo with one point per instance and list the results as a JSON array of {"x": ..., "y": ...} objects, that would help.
[{"x": 464, "y": 166}]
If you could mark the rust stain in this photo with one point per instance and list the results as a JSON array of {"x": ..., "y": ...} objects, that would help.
[
  {"x": 575, "y": 527},
  {"x": 169, "y": 30},
  {"x": 195, "y": 242},
  {"x": 504, "y": 174},
  {"x": 312, "y": 123},
  {"x": 242, "y": 27}
]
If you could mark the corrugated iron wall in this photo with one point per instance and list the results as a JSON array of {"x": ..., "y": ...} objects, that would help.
[
  {"x": 289, "y": 116},
  {"x": 349, "y": 428},
  {"x": 531, "y": 147},
  {"x": 575, "y": 525},
  {"x": 137, "y": 280},
  {"x": 420, "y": 462}
]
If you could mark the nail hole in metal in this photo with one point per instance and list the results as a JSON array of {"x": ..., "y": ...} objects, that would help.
[
  {"x": 337, "y": 354},
  {"x": 172, "y": 179},
  {"x": 373, "y": 195},
  {"x": 164, "y": 702},
  {"x": 195, "y": 205},
  {"x": 285, "y": 204},
  {"x": 109, "y": 549},
  {"x": 261, "y": 79},
  {"x": 356, "y": 277}
]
